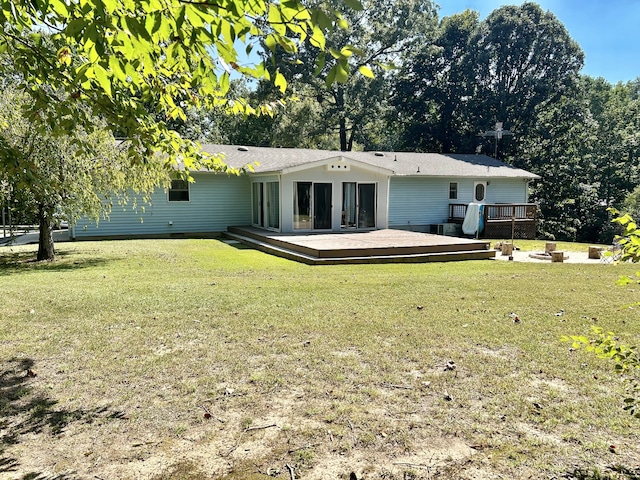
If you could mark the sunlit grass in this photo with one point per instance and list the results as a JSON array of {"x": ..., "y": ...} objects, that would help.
[{"x": 158, "y": 328}]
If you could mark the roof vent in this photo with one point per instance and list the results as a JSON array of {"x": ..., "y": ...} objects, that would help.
[
  {"x": 379, "y": 154},
  {"x": 243, "y": 149}
]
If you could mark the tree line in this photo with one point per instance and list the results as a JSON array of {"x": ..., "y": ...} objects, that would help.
[{"x": 439, "y": 83}]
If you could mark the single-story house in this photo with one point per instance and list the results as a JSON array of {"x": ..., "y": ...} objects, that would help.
[{"x": 300, "y": 190}]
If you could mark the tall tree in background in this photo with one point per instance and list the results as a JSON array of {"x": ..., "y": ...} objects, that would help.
[
  {"x": 352, "y": 106},
  {"x": 525, "y": 60},
  {"x": 519, "y": 59},
  {"x": 558, "y": 148},
  {"x": 586, "y": 148},
  {"x": 434, "y": 91}
]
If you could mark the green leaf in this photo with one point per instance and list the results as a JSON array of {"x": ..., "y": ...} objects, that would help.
[
  {"x": 320, "y": 63},
  {"x": 354, "y": 5},
  {"x": 103, "y": 79},
  {"x": 276, "y": 21},
  {"x": 346, "y": 51},
  {"x": 280, "y": 82},
  {"x": 318, "y": 39},
  {"x": 335, "y": 53},
  {"x": 331, "y": 77},
  {"x": 366, "y": 71},
  {"x": 342, "y": 71},
  {"x": 270, "y": 42},
  {"x": 110, "y": 6},
  {"x": 75, "y": 26}
]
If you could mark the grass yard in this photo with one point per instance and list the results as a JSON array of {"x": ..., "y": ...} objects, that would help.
[{"x": 195, "y": 359}]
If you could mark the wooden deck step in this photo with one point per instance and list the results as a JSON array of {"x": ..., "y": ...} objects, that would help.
[{"x": 301, "y": 254}]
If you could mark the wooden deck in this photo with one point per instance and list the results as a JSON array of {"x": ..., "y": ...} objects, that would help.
[
  {"x": 502, "y": 220},
  {"x": 376, "y": 246}
]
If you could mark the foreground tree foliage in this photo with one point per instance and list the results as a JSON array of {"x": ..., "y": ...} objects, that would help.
[
  {"x": 116, "y": 58},
  {"x": 54, "y": 179}
]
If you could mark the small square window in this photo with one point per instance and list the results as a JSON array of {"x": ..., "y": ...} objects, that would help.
[
  {"x": 179, "y": 191},
  {"x": 453, "y": 191}
]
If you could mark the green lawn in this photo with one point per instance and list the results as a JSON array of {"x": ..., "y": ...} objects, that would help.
[{"x": 195, "y": 359}]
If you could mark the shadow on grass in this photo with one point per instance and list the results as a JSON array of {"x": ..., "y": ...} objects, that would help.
[
  {"x": 24, "y": 410},
  {"x": 237, "y": 245},
  {"x": 621, "y": 472},
  {"x": 16, "y": 262}
]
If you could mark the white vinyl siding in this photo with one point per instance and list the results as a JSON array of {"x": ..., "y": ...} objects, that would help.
[
  {"x": 215, "y": 203},
  {"x": 415, "y": 202}
]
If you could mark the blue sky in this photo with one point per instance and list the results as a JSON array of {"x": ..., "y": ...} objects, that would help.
[{"x": 608, "y": 31}]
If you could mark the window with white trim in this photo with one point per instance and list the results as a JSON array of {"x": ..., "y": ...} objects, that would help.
[
  {"x": 179, "y": 191},
  {"x": 453, "y": 190}
]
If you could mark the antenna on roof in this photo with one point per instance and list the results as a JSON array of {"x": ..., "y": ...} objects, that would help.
[
  {"x": 418, "y": 168},
  {"x": 395, "y": 158},
  {"x": 498, "y": 133}
]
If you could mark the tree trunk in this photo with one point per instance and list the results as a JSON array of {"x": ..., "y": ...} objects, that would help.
[
  {"x": 46, "y": 250},
  {"x": 352, "y": 134},
  {"x": 343, "y": 134},
  {"x": 340, "y": 107}
]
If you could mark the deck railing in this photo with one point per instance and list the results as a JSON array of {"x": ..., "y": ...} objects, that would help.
[{"x": 501, "y": 219}]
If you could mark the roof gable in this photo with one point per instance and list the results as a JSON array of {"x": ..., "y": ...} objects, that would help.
[{"x": 337, "y": 161}]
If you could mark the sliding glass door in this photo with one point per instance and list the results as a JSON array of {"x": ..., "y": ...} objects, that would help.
[
  {"x": 312, "y": 206},
  {"x": 358, "y": 205},
  {"x": 302, "y": 205},
  {"x": 273, "y": 205},
  {"x": 257, "y": 212},
  {"x": 265, "y": 205},
  {"x": 322, "y": 206},
  {"x": 366, "y": 205}
]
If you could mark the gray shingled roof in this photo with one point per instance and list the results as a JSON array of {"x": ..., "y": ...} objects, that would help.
[{"x": 273, "y": 160}]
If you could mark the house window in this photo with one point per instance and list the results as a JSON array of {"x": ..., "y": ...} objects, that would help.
[
  {"x": 179, "y": 191},
  {"x": 479, "y": 191},
  {"x": 453, "y": 191}
]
